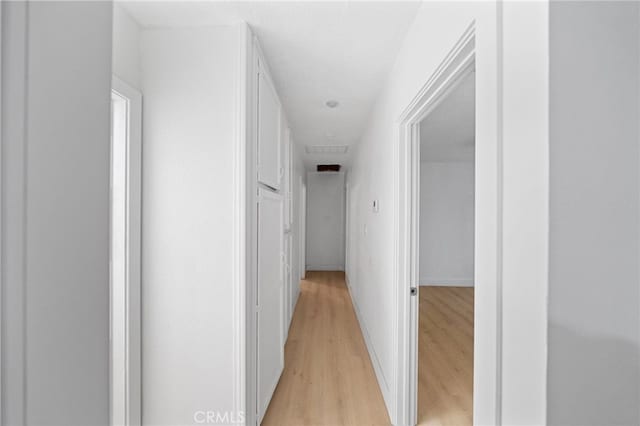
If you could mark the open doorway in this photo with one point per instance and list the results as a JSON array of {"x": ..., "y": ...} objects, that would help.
[
  {"x": 482, "y": 318},
  {"x": 446, "y": 259},
  {"x": 125, "y": 362}
]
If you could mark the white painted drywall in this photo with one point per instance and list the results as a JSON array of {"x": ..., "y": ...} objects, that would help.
[
  {"x": 446, "y": 223},
  {"x": 525, "y": 211},
  {"x": 299, "y": 39},
  {"x": 435, "y": 30},
  {"x": 56, "y": 154},
  {"x": 325, "y": 221},
  {"x": 594, "y": 289},
  {"x": 14, "y": 70},
  {"x": 448, "y": 132},
  {"x": 190, "y": 83},
  {"x": 126, "y": 47},
  {"x": 523, "y": 359}
]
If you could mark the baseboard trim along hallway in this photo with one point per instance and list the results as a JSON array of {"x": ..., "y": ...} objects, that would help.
[{"x": 328, "y": 377}]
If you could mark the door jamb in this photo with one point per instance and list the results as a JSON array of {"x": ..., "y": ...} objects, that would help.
[
  {"x": 303, "y": 229},
  {"x": 133, "y": 365}
]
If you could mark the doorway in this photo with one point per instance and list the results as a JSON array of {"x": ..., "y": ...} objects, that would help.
[
  {"x": 125, "y": 351},
  {"x": 446, "y": 259},
  {"x": 487, "y": 309},
  {"x": 302, "y": 231}
]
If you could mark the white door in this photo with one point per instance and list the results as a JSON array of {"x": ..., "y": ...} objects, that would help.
[
  {"x": 270, "y": 294},
  {"x": 269, "y": 132},
  {"x": 286, "y": 177}
]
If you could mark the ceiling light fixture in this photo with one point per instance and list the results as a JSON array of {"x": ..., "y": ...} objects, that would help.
[{"x": 332, "y": 103}]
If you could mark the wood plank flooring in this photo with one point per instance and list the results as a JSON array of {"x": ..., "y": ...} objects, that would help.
[
  {"x": 328, "y": 378},
  {"x": 445, "y": 353}
]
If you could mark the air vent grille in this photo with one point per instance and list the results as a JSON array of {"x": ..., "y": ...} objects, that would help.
[
  {"x": 328, "y": 167},
  {"x": 326, "y": 149}
]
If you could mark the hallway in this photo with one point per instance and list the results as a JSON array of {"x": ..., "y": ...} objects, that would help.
[{"x": 328, "y": 378}]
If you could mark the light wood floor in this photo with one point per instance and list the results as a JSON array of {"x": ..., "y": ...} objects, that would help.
[
  {"x": 445, "y": 353},
  {"x": 328, "y": 378}
]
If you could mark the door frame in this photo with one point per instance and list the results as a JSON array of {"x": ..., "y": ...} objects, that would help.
[
  {"x": 303, "y": 229},
  {"x": 133, "y": 363},
  {"x": 458, "y": 63}
]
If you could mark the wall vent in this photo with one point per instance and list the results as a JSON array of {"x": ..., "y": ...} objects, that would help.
[{"x": 326, "y": 149}]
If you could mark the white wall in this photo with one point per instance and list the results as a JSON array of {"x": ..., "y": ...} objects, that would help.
[
  {"x": 594, "y": 293},
  {"x": 55, "y": 196},
  {"x": 126, "y": 47},
  {"x": 371, "y": 277},
  {"x": 446, "y": 223},
  {"x": 499, "y": 80},
  {"x": 190, "y": 83},
  {"x": 325, "y": 221}
]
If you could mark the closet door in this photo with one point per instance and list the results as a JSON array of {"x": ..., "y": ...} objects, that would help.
[
  {"x": 286, "y": 312},
  {"x": 269, "y": 133},
  {"x": 270, "y": 297},
  {"x": 286, "y": 178},
  {"x": 291, "y": 286}
]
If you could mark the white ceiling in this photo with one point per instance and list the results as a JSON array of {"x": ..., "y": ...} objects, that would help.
[
  {"x": 317, "y": 51},
  {"x": 448, "y": 132}
]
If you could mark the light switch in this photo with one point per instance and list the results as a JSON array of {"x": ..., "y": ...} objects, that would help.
[{"x": 376, "y": 206}]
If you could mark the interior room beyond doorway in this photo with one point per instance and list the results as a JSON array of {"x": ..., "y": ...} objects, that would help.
[{"x": 446, "y": 263}]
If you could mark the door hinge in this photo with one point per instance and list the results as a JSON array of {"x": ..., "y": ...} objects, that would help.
[{"x": 414, "y": 291}]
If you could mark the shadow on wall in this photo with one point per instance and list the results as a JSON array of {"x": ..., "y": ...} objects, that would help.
[{"x": 593, "y": 383}]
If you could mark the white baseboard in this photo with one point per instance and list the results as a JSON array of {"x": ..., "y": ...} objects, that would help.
[
  {"x": 373, "y": 356},
  {"x": 325, "y": 268},
  {"x": 446, "y": 282}
]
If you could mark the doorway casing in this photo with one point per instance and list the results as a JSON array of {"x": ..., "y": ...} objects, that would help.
[
  {"x": 125, "y": 310},
  {"x": 459, "y": 63}
]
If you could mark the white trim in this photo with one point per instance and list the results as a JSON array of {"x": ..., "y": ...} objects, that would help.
[
  {"x": 347, "y": 228},
  {"x": 457, "y": 64},
  {"x": 373, "y": 356},
  {"x": 325, "y": 267},
  {"x": 638, "y": 319},
  {"x": 250, "y": 81},
  {"x": 133, "y": 335},
  {"x": 497, "y": 409},
  {"x": 314, "y": 172},
  {"x": 525, "y": 210},
  {"x": 1, "y": 221},
  {"x": 13, "y": 193},
  {"x": 240, "y": 229},
  {"x": 302, "y": 255},
  {"x": 445, "y": 282}
]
